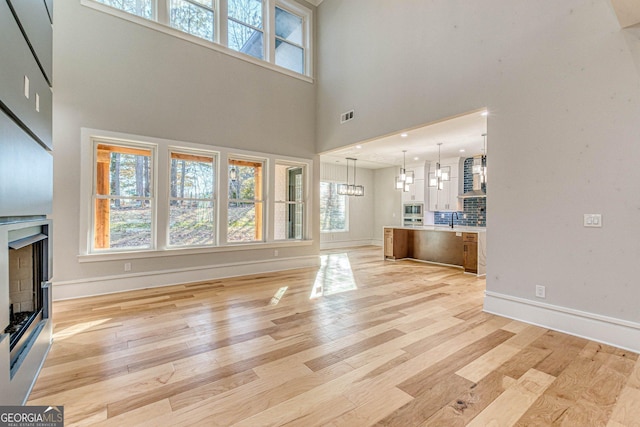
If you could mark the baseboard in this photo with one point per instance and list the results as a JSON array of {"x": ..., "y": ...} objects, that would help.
[
  {"x": 107, "y": 285},
  {"x": 607, "y": 330},
  {"x": 347, "y": 244}
]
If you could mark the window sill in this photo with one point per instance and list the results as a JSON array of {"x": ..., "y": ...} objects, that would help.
[
  {"x": 157, "y": 253},
  {"x": 157, "y": 26}
]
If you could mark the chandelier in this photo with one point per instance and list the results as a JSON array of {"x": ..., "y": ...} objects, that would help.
[{"x": 348, "y": 189}]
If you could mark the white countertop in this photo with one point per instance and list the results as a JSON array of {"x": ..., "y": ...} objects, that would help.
[{"x": 441, "y": 228}]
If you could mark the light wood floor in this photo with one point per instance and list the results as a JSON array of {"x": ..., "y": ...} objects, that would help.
[{"x": 380, "y": 343}]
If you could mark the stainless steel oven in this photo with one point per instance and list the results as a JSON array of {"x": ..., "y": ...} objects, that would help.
[{"x": 413, "y": 210}]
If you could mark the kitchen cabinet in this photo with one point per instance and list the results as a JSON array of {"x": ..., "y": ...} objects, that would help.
[
  {"x": 416, "y": 193},
  {"x": 396, "y": 243},
  {"x": 446, "y": 199},
  {"x": 470, "y": 252}
]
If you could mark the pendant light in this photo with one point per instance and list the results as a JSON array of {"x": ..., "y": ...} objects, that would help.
[
  {"x": 351, "y": 189},
  {"x": 405, "y": 178},
  {"x": 481, "y": 168},
  {"x": 441, "y": 174}
]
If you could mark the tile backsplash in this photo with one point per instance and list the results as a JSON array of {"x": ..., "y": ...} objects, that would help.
[{"x": 475, "y": 210}]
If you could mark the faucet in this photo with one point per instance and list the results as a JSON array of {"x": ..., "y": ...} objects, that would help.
[{"x": 452, "y": 214}]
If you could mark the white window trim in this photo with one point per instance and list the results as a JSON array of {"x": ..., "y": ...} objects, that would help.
[
  {"x": 221, "y": 35},
  {"x": 87, "y": 135},
  {"x": 305, "y": 199},
  {"x": 266, "y": 199},
  {"x": 346, "y": 213},
  {"x": 153, "y": 198}
]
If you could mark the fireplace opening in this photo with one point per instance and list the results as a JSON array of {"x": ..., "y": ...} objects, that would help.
[{"x": 28, "y": 268}]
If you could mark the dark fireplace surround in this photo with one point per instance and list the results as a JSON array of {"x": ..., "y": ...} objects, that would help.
[{"x": 25, "y": 305}]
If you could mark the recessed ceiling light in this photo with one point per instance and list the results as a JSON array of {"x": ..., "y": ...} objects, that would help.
[
  {"x": 484, "y": 113},
  {"x": 358, "y": 146},
  {"x": 416, "y": 158},
  {"x": 462, "y": 150},
  {"x": 404, "y": 135}
]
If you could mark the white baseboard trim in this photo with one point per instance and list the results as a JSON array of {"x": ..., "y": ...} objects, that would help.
[
  {"x": 607, "y": 330},
  {"x": 346, "y": 244},
  {"x": 81, "y": 288}
]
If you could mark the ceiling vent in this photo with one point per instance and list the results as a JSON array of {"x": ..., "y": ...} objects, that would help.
[{"x": 345, "y": 117}]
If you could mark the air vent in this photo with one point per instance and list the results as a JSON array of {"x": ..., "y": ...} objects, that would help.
[{"x": 345, "y": 117}]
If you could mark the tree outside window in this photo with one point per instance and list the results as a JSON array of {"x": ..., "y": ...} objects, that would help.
[
  {"x": 245, "y": 209},
  {"x": 123, "y": 197},
  {"x": 192, "y": 219},
  {"x": 333, "y": 209}
]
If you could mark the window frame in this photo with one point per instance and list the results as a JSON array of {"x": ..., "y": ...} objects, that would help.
[
  {"x": 214, "y": 197},
  {"x": 303, "y": 201},
  {"x": 260, "y": 200},
  {"x": 346, "y": 208},
  {"x": 306, "y": 16},
  {"x": 153, "y": 198},
  {"x": 160, "y": 21}
]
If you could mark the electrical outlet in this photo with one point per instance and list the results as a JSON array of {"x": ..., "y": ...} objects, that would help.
[
  {"x": 275, "y": 252},
  {"x": 127, "y": 266},
  {"x": 541, "y": 291}
]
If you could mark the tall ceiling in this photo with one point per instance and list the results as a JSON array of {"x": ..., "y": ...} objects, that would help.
[{"x": 456, "y": 134}]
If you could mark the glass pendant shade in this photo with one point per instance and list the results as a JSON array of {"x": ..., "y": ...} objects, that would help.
[{"x": 399, "y": 183}]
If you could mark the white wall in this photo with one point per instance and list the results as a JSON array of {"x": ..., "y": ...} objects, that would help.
[
  {"x": 561, "y": 81},
  {"x": 388, "y": 210},
  {"x": 114, "y": 75},
  {"x": 361, "y": 209}
]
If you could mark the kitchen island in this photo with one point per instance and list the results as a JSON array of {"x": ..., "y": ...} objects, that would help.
[{"x": 463, "y": 247}]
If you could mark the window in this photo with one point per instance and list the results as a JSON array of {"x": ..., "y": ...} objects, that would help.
[
  {"x": 143, "y": 8},
  {"x": 289, "y": 40},
  {"x": 245, "y": 210},
  {"x": 333, "y": 209},
  {"x": 245, "y": 27},
  {"x": 192, "y": 219},
  {"x": 195, "y": 17},
  {"x": 289, "y": 202},
  {"x": 275, "y": 31},
  {"x": 123, "y": 194}
]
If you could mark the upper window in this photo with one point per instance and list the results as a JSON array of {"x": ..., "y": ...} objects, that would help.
[
  {"x": 142, "y": 8},
  {"x": 283, "y": 40},
  {"x": 290, "y": 40},
  {"x": 289, "y": 202},
  {"x": 123, "y": 194},
  {"x": 246, "y": 204},
  {"x": 245, "y": 33},
  {"x": 192, "y": 219},
  {"x": 333, "y": 209},
  {"x": 195, "y": 17}
]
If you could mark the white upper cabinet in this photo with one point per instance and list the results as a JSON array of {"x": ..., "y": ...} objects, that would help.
[
  {"x": 416, "y": 193},
  {"x": 446, "y": 199}
]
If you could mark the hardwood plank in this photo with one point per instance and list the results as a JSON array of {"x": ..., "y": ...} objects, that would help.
[
  {"x": 510, "y": 405},
  {"x": 627, "y": 408}
]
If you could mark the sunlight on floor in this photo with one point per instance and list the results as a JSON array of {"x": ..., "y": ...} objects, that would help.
[
  {"x": 335, "y": 276},
  {"x": 77, "y": 329},
  {"x": 278, "y": 295}
]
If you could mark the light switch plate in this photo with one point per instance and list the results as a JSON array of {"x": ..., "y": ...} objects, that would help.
[{"x": 593, "y": 220}]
